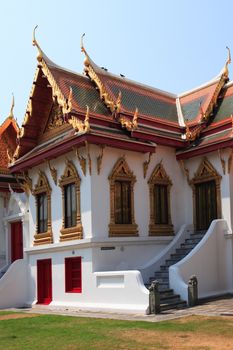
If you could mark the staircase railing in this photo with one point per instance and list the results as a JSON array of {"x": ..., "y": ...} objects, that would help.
[
  {"x": 210, "y": 261},
  {"x": 148, "y": 269},
  {"x": 4, "y": 269}
]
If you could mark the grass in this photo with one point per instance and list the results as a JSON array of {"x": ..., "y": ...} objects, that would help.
[{"x": 66, "y": 332}]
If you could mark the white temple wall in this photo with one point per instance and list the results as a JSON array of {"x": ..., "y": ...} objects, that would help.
[
  {"x": 3, "y": 252},
  {"x": 101, "y": 188},
  {"x": 56, "y": 197}
]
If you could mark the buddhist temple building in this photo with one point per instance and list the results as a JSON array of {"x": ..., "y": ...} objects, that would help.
[{"x": 123, "y": 185}]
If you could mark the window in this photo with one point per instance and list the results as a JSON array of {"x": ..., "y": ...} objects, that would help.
[
  {"x": 70, "y": 205},
  {"x": 73, "y": 275},
  {"x": 159, "y": 189},
  {"x": 161, "y": 204},
  {"x": 42, "y": 193},
  {"x": 122, "y": 181},
  {"x": 122, "y": 202},
  {"x": 70, "y": 186},
  {"x": 42, "y": 212}
]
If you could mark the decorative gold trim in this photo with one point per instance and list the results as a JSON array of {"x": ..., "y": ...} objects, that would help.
[
  {"x": 88, "y": 156},
  {"x": 128, "y": 124},
  {"x": 146, "y": 165},
  {"x": 24, "y": 182},
  {"x": 206, "y": 172},
  {"x": 82, "y": 161},
  {"x": 118, "y": 103},
  {"x": 62, "y": 101},
  {"x": 192, "y": 135},
  {"x": 82, "y": 127},
  {"x": 228, "y": 61},
  {"x": 121, "y": 171},
  {"x": 11, "y": 114},
  {"x": 43, "y": 186},
  {"x": 53, "y": 172},
  {"x": 159, "y": 177},
  {"x": 71, "y": 176},
  {"x": 223, "y": 162},
  {"x": 65, "y": 103},
  {"x": 184, "y": 170},
  {"x": 90, "y": 71},
  {"x": 99, "y": 159}
]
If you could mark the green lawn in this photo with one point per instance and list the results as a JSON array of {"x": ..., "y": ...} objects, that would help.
[{"x": 64, "y": 332}]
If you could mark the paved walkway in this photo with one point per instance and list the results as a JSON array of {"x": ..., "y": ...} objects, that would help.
[{"x": 218, "y": 307}]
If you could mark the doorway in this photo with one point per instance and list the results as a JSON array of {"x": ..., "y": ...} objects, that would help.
[
  {"x": 16, "y": 241},
  {"x": 44, "y": 281},
  {"x": 206, "y": 204}
]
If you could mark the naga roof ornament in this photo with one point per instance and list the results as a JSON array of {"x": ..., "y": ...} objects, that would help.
[
  {"x": 91, "y": 69},
  {"x": 207, "y": 112},
  {"x": 228, "y": 61},
  {"x": 61, "y": 99},
  {"x": 35, "y": 43},
  {"x": 11, "y": 113}
]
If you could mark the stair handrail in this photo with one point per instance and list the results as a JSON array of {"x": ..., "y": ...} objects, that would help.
[
  {"x": 148, "y": 269},
  {"x": 4, "y": 268},
  {"x": 205, "y": 260}
]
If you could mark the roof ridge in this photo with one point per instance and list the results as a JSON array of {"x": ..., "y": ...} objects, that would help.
[{"x": 210, "y": 82}]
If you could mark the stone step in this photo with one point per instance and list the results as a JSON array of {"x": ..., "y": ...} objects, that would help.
[
  {"x": 177, "y": 256},
  {"x": 170, "y": 262},
  {"x": 173, "y": 305},
  {"x": 192, "y": 241},
  {"x": 164, "y": 268},
  {"x": 163, "y": 286},
  {"x": 166, "y": 292},
  {"x": 187, "y": 246},
  {"x": 201, "y": 232},
  {"x": 196, "y": 235},
  {"x": 161, "y": 274},
  {"x": 169, "y": 298},
  {"x": 183, "y": 250},
  {"x": 161, "y": 280}
]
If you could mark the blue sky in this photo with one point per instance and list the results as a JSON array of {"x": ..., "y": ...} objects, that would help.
[{"x": 173, "y": 45}]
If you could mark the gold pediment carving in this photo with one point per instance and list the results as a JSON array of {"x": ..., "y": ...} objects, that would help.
[
  {"x": 55, "y": 117},
  {"x": 159, "y": 175},
  {"x": 121, "y": 170},
  {"x": 206, "y": 171}
]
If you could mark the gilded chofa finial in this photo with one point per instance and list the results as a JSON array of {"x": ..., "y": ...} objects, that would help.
[
  {"x": 118, "y": 102},
  {"x": 225, "y": 71},
  {"x": 86, "y": 60},
  {"x": 35, "y": 43},
  {"x": 82, "y": 46},
  {"x": 11, "y": 114}
]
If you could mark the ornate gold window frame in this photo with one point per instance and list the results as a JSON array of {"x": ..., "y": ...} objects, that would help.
[
  {"x": 160, "y": 177},
  {"x": 71, "y": 176},
  {"x": 121, "y": 172},
  {"x": 206, "y": 172},
  {"x": 43, "y": 186}
]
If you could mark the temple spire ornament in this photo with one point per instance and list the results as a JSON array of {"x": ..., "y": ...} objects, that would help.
[
  {"x": 228, "y": 61},
  {"x": 11, "y": 113},
  {"x": 35, "y": 43}
]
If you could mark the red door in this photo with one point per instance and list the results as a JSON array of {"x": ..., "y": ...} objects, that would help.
[
  {"x": 16, "y": 241},
  {"x": 44, "y": 281}
]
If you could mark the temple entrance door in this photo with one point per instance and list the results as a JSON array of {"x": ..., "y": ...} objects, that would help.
[
  {"x": 16, "y": 241},
  {"x": 206, "y": 204},
  {"x": 44, "y": 281}
]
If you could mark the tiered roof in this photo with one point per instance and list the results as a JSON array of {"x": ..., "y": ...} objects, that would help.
[
  {"x": 8, "y": 137},
  {"x": 67, "y": 110}
]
